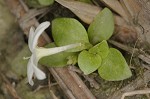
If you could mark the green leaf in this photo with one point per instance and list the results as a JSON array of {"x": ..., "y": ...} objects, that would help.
[
  {"x": 46, "y": 2},
  {"x": 102, "y": 27},
  {"x": 67, "y": 31},
  {"x": 86, "y": 1},
  {"x": 59, "y": 59},
  {"x": 88, "y": 62},
  {"x": 114, "y": 67},
  {"x": 101, "y": 48},
  {"x": 72, "y": 60},
  {"x": 39, "y": 3}
]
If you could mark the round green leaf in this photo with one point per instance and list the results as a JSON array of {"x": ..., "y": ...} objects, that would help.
[
  {"x": 88, "y": 62},
  {"x": 59, "y": 59},
  {"x": 46, "y": 2},
  {"x": 67, "y": 31},
  {"x": 101, "y": 48},
  {"x": 102, "y": 27},
  {"x": 114, "y": 67}
]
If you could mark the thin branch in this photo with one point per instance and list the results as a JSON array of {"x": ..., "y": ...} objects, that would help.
[
  {"x": 136, "y": 92},
  {"x": 51, "y": 92},
  {"x": 133, "y": 51},
  {"x": 138, "y": 82},
  {"x": 144, "y": 57},
  {"x": 92, "y": 82},
  {"x": 9, "y": 87}
]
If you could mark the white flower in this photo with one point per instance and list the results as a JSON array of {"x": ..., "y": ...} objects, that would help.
[{"x": 39, "y": 52}]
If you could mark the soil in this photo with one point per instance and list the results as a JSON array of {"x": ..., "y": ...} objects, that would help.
[{"x": 13, "y": 47}]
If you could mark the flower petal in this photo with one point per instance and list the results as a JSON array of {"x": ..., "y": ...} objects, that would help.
[
  {"x": 41, "y": 51},
  {"x": 43, "y": 24},
  {"x": 38, "y": 32},
  {"x": 30, "y": 71},
  {"x": 31, "y": 36},
  {"x": 39, "y": 73}
]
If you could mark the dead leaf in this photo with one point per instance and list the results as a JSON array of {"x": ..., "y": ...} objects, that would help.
[
  {"x": 117, "y": 7},
  {"x": 86, "y": 12},
  {"x": 140, "y": 10}
]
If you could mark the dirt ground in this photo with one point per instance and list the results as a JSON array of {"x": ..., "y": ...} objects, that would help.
[{"x": 13, "y": 81}]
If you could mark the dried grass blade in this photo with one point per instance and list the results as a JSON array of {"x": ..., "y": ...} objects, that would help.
[
  {"x": 117, "y": 7},
  {"x": 86, "y": 12},
  {"x": 132, "y": 6}
]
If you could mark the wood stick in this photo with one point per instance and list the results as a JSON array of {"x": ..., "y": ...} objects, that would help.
[
  {"x": 130, "y": 50},
  {"x": 138, "y": 82},
  {"x": 136, "y": 92},
  {"x": 92, "y": 82},
  {"x": 9, "y": 87}
]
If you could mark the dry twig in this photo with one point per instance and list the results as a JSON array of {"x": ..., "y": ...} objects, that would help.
[
  {"x": 143, "y": 56},
  {"x": 137, "y": 83},
  {"x": 51, "y": 92},
  {"x": 92, "y": 82},
  {"x": 9, "y": 87},
  {"x": 136, "y": 92}
]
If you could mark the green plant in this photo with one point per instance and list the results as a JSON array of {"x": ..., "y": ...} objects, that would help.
[
  {"x": 39, "y": 52},
  {"x": 94, "y": 53},
  {"x": 39, "y": 3}
]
